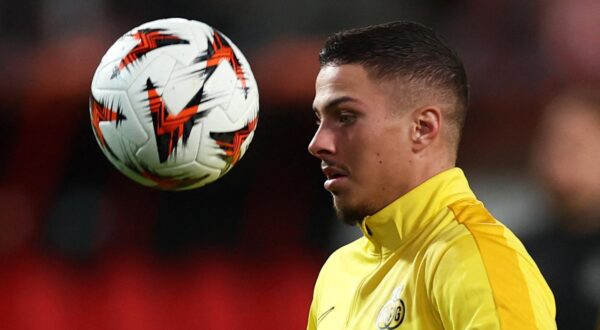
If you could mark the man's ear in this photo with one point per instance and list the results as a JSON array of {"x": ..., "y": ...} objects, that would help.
[{"x": 426, "y": 127}]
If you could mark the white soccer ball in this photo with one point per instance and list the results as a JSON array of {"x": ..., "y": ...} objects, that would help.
[{"x": 174, "y": 104}]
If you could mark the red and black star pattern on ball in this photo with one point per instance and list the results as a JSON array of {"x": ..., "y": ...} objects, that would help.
[
  {"x": 220, "y": 50},
  {"x": 101, "y": 112},
  {"x": 231, "y": 142},
  {"x": 161, "y": 181},
  {"x": 149, "y": 40},
  {"x": 169, "y": 128}
]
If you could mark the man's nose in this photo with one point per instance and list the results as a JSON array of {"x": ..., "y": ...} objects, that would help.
[{"x": 322, "y": 142}]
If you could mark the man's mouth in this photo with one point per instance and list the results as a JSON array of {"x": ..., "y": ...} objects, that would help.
[{"x": 335, "y": 176}]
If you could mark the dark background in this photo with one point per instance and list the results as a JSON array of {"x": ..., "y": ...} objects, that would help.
[{"x": 83, "y": 247}]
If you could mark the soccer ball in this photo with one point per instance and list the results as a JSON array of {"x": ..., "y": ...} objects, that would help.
[{"x": 174, "y": 104}]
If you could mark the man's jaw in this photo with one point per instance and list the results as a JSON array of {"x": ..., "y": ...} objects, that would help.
[{"x": 348, "y": 215}]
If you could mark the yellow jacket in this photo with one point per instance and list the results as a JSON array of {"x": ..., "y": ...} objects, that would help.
[{"x": 433, "y": 259}]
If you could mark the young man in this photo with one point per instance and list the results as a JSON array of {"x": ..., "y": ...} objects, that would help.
[{"x": 391, "y": 101}]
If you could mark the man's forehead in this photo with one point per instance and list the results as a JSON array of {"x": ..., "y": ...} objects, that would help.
[
  {"x": 340, "y": 75},
  {"x": 338, "y": 84}
]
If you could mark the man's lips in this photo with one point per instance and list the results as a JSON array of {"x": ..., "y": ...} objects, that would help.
[{"x": 335, "y": 175}]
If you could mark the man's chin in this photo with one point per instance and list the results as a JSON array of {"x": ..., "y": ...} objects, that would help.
[{"x": 349, "y": 215}]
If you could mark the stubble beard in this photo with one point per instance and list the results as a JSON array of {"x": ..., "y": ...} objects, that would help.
[{"x": 349, "y": 216}]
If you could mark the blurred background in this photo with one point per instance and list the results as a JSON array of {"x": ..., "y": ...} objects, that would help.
[{"x": 83, "y": 247}]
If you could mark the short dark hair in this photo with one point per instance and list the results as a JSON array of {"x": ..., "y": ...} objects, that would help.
[{"x": 407, "y": 50}]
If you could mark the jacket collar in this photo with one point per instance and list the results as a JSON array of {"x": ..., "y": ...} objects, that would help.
[{"x": 391, "y": 226}]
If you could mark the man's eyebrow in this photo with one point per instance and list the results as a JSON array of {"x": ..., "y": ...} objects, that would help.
[{"x": 335, "y": 102}]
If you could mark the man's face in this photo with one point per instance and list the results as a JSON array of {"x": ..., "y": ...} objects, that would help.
[{"x": 363, "y": 141}]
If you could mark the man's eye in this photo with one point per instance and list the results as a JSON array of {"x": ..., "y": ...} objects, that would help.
[{"x": 347, "y": 118}]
